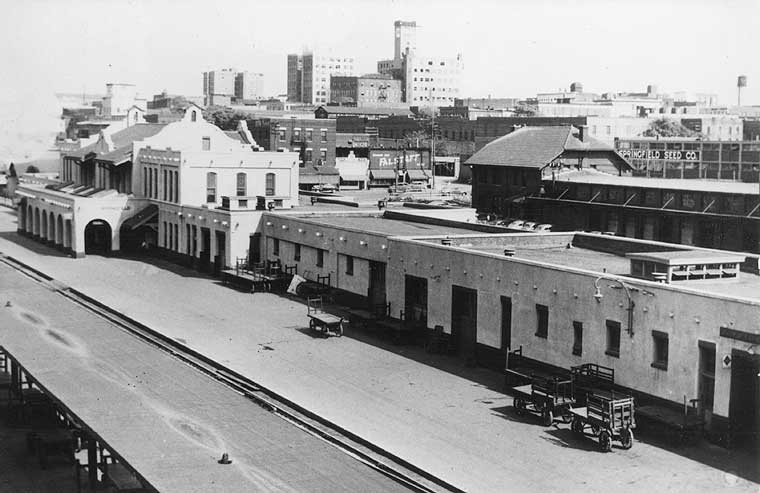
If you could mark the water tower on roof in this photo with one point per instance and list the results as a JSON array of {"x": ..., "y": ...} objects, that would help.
[
  {"x": 576, "y": 87},
  {"x": 741, "y": 82}
]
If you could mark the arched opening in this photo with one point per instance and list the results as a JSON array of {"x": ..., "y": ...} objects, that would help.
[
  {"x": 36, "y": 221},
  {"x": 44, "y": 225},
  {"x": 59, "y": 231},
  {"x": 29, "y": 219},
  {"x": 97, "y": 237},
  {"x": 51, "y": 227}
]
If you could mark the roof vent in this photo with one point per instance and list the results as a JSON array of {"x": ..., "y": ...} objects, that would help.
[
  {"x": 446, "y": 241},
  {"x": 509, "y": 252}
]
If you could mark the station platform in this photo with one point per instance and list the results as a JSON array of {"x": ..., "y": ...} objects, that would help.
[{"x": 159, "y": 416}]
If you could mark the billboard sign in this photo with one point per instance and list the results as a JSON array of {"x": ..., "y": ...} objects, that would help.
[{"x": 657, "y": 154}]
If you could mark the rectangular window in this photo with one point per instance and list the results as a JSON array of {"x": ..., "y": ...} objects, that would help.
[
  {"x": 542, "y": 321},
  {"x": 577, "y": 338},
  {"x": 206, "y": 143},
  {"x": 323, "y": 156},
  {"x": 281, "y": 134},
  {"x": 166, "y": 235},
  {"x": 176, "y": 237},
  {"x": 210, "y": 187},
  {"x": 309, "y": 135},
  {"x": 613, "y": 338},
  {"x": 241, "y": 190},
  {"x": 171, "y": 186},
  {"x": 297, "y": 134},
  {"x": 349, "y": 265},
  {"x": 145, "y": 182},
  {"x": 308, "y": 155},
  {"x": 275, "y": 247},
  {"x": 660, "y": 358},
  {"x": 269, "y": 184},
  {"x": 320, "y": 257},
  {"x": 323, "y": 135},
  {"x": 165, "y": 189},
  {"x": 297, "y": 252}
]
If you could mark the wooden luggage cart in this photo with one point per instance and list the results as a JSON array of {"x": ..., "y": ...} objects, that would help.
[
  {"x": 547, "y": 397},
  {"x": 608, "y": 418},
  {"x": 321, "y": 321}
]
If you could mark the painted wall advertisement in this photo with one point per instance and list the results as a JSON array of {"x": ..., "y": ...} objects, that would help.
[{"x": 399, "y": 159}]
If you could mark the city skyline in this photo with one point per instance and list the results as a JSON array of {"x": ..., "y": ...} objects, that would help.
[{"x": 516, "y": 50}]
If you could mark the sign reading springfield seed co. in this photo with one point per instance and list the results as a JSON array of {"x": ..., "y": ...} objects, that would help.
[
  {"x": 393, "y": 158},
  {"x": 653, "y": 154}
]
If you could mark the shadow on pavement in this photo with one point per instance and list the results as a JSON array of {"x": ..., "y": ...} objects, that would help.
[
  {"x": 31, "y": 245},
  {"x": 564, "y": 437}
]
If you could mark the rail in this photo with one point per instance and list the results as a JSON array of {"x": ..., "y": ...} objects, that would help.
[{"x": 385, "y": 462}]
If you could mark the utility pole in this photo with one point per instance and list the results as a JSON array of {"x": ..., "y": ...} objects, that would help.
[{"x": 432, "y": 139}]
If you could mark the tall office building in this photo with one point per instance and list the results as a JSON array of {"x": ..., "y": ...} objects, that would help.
[
  {"x": 295, "y": 77},
  {"x": 219, "y": 86},
  {"x": 426, "y": 80},
  {"x": 309, "y": 75},
  {"x": 405, "y": 38},
  {"x": 249, "y": 86}
]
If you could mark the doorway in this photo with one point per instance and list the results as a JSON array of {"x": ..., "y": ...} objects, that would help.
[
  {"x": 254, "y": 249},
  {"x": 220, "y": 260},
  {"x": 415, "y": 301},
  {"x": 97, "y": 237},
  {"x": 744, "y": 406},
  {"x": 464, "y": 320},
  {"x": 376, "y": 292},
  {"x": 205, "y": 254},
  {"x": 706, "y": 383}
]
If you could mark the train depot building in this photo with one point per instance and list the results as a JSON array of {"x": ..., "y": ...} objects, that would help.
[
  {"x": 674, "y": 322},
  {"x": 186, "y": 188}
]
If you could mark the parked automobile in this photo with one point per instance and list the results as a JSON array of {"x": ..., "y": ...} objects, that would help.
[
  {"x": 542, "y": 227},
  {"x": 529, "y": 226},
  {"x": 324, "y": 188},
  {"x": 514, "y": 224}
]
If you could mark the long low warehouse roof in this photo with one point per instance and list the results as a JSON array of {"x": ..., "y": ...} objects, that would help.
[{"x": 165, "y": 419}]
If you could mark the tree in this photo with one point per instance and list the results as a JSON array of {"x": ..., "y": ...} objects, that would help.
[
  {"x": 668, "y": 128},
  {"x": 224, "y": 118},
  {"x": 31, "y": 169}
]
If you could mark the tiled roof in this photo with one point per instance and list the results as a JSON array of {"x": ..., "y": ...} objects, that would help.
[
  {"x": 535, "y": 147},
  {"x": 122, "y": 138},
  {"x": 318, "y": 170}
]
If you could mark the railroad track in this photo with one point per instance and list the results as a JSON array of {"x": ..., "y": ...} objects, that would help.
[{"x": 366, "y": 452}]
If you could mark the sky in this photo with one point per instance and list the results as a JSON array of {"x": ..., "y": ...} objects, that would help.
[{"x": 511, "y": 48}]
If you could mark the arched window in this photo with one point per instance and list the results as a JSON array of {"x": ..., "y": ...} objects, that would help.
[
  {"x": 210, "y": 187},
  {"x": 270, "y": 184},
  {"x": 242, "y": 185},
  {"x": 193, "y": 116}
]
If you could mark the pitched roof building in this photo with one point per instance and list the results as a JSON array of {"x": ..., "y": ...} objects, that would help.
[{"x": 512, "y": 167}]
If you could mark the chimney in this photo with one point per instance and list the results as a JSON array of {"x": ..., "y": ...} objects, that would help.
[{"x": 583, "y": 132}]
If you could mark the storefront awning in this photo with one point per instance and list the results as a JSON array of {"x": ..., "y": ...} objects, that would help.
[
  {"x": 382, "y": 174},
  {"x": 346, "y": 176},
  {"x": 142, "y": 217},
  {"x": 417, "y": 175}
]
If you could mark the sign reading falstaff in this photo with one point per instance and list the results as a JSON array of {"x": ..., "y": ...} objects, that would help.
[
  {"x": 666, "y": 155},
  {"x": 392, "y": 158}
]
